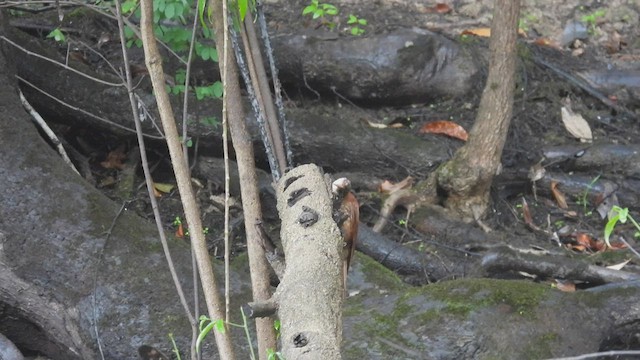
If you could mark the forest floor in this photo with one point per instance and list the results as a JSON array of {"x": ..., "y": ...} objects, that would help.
[{"x": 587, "y": 34}]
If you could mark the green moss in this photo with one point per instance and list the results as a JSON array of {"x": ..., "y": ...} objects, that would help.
[
  {"x": 540, "y": 348},
  {"x": 428, "y": 316},
  {"x": 353, "y": 352},
  {"x": 462, "y": 296},
  {"x": 376, "y": 273},
  {"x": 389, "y": 325}
]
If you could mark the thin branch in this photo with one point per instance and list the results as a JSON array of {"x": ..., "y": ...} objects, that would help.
[
  {"x": 47, "y": 130},
  {"x": 111, "y": 123},
  {"x": 147, "y": 175},
  {"x": 225, "y": 150},
  {"x": 55, "y": 62}
]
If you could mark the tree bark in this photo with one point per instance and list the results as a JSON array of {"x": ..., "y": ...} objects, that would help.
[
  {"x": 467, "y": 178},
  {"x": 310, "y": 294}
]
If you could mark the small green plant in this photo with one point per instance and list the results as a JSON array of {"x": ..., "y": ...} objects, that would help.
[
  {"x": 274, "y": 355},
  {"x": 617, "y": 214},
  {"x": 57, "y": 35},
  {"x": 206, "y": 325},
  {"x": 591, "y": 19},
  {"x": 320, "y": 11},
  {"x": 356, "y": 24},
  {"x": 525, "y": 22},
  {"x": 210, "y": 121},
  {"x": 174, "y": 347},
  {"x": 276, "y": 326},
  {"x": 583, "y": 199},
  {"x": 167, "y": 13}
]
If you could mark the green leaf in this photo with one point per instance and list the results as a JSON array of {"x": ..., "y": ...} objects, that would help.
[
  {"x": 181, "y": 76},
  {"x": 352, "y": 20},
  {"x": 217, "y": 89},
  {"x": 330, "y": 9},
  {"x": 159, "y": 5},
  {"x": 179, "y": 10},
  {"x": 201, "y": 5},
  {"x": 214, "y": 54},
  {"x": 243, "y": 5},
  {"x": 219, "y": 324},
  {"x": 608, "y": 229},
  {"x": 210, "y": 121},
  {"x": 128, "y": 6},
  {"x": 170, "y": 11},
  {"x": 308, "y": 9},
  {"x": 203, "y": 333},
  {"x": 57, "y": 35},
  {"x": 623, "y": 213},
  {"x": 178, "y": 89},
  {"x": 362, "y": 21}
]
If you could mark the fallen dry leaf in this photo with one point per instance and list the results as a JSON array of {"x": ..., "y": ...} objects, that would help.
[
  {"x": 482, "y": 32},
  {"x": 180, "y": 231},
  {"x": 558, "y": 195},
  {"x": 374, "y": 125},
  {"x": 486, "y": 32},
  {"x": 575, "y": 124},
  {"x": 565, "y": 285},
  {"x": 445, "y": 127},
  {"x": 548, "y": 43},
  {"x": 618, "y": 266},
  {"x": 606, "y": 200},
  {"x": 115, "y": 159},
  {"x": 163, "y": 187},
  {"x": 526, "y": 215},
  {"x": 586, "y": 242},
  {"x": 441, "y": 8},
  {"x": 614, "y": 42}
]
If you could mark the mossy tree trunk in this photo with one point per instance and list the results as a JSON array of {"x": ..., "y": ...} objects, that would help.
[{"x": 466, "y": 178}]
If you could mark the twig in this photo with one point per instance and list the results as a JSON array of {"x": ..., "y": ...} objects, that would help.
[
  {"x": 111, "y": 123},
  {"x": 225, "y": 148},
  {"x": 584, "y": 86},
  {"x": 600, "y": 354},
  {"x": 55, "y": 62},
  {"x": 47, "y": 130},
  {"x": 185, "y": 106}
]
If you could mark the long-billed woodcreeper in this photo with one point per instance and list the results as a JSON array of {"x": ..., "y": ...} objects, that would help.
[{"x": 347, "y": 215}]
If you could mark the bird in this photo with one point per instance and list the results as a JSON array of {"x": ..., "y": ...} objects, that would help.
[{"x": 347, "y": 216}]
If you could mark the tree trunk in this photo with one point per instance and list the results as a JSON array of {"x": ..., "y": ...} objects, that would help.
[{"x": 467, "y": 178}]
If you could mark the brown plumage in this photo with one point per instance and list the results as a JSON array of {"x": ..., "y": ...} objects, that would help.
[{"x": 347, "y": 216}]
